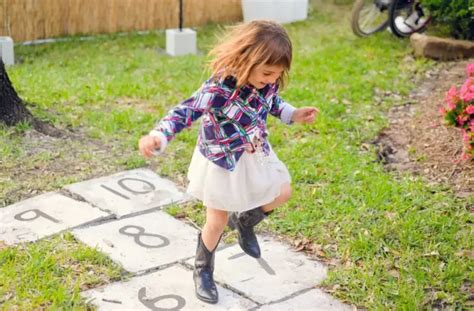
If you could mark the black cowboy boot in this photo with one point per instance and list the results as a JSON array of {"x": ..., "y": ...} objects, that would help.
[
  {"x": 203, "y": 273},
  {"x": 244, "y": 223}
]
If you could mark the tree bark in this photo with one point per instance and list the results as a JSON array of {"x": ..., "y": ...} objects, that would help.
[{"x": 13, "y": 110}]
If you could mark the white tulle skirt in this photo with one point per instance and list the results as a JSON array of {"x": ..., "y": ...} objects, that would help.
[{"x": 254, "y": 182}]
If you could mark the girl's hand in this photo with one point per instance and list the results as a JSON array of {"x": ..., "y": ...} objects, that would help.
[
  {"x": 305, "y": 115},
  {"x": 148, "y": 144}
]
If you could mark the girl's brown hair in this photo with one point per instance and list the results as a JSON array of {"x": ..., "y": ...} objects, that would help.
[{"x": 248, "y": 45}]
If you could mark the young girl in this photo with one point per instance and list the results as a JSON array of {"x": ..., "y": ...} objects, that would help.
[{"x": 233, "y": 168}]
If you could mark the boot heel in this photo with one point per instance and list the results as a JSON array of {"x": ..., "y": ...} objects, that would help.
[{"x": 232, "y": 221}]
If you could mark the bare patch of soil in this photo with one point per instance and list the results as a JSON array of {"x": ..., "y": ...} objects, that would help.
[
  {"x": 417, "y": 140},
  {"x": 46, "y": 163}
]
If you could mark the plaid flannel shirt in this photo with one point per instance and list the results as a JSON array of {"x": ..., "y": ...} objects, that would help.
[{"x": 231, "y": 118}]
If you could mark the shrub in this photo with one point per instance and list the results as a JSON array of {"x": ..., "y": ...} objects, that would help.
[
  {"x": 456, "y": 14},
  {"x": 459, "y": 111}
]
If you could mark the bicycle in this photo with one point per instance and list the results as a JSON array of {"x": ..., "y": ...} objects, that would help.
[
  {"x": 404, "y": 17},
  {"x": 407, "y": 17},
  {"x": 369, "y": 16}
]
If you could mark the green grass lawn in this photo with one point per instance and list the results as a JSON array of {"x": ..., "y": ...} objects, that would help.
[{"x": 393, "y": 240}]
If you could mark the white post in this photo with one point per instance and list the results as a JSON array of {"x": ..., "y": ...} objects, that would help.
[
  {"x": 282, "y": 11},
  {"x": 6, "y": 51},
  {"x": 180, "y": 42},
  {"x": 300, "y": 12}
]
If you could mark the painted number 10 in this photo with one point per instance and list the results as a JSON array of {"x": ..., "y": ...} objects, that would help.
[{"x": 123, "y": 184}]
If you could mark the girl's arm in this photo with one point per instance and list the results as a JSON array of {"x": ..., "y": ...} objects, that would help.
[
  {"x": 289, "y": 114},
  {"x": 210, "y": 97},
  {"x": 282, "y": 110},
  {"x": 182, "y": 116}
]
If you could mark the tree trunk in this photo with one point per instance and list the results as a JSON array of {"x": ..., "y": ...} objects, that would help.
[{"x": 13, "y": 109}]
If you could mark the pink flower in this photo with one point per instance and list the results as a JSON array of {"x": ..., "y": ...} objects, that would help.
[
  {"x": 465, "y": 136},
  {"x": 467, "y": 91},
  {"x": 465, "y": 156},
  {"x": 452, "y": 97},
  {"x": 470, "y": 109},
  {"x": 468, "y": 97},
  {"x": 451, "y": 106},
  {"x": 462, "y": 119},
  {"x": 460, "y": 109},
  {"x": 470, "y": 69}
]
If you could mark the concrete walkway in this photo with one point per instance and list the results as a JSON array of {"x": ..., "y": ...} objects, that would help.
[{"x": 121, "y": 216}]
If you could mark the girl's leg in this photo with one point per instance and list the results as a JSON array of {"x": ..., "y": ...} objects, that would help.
[
  {"x": 216, "y": 220},
  {"x": 208, "y": 239},
  {"x": 285, "y": 195},
  {"x": 245, "y": 222}
]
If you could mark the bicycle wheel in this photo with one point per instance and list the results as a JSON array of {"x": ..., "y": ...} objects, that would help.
[
  {"x": 369, "y": 16},
  {"x": 407, "y": 17}
]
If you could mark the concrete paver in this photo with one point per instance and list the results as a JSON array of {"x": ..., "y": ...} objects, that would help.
[
  {"x": 129, "y": 192},
  {"x": 154, "y": 246},
  {"x": 168, "y": 289},
  {"x": 142, "y": 242},
  {"x": 44, "y": 215},
  {"x": 280, "y": 271},
  {"x": 314, "y": 300}
]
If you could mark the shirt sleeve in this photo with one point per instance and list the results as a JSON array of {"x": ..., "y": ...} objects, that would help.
[
  {"x": 183, "y": 115},
  {"x": 282, "y": 110}
]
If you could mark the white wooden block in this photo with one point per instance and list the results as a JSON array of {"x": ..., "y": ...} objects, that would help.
[
  {"x": 282, "y": 11},
  {"x": 300, "y": 10},
  {"x": 180, "y": 42},
  {"x": 6, "y": 51}
]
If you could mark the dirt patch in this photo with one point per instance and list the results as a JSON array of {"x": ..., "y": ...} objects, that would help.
[
  {"x": 47, "y": 163},
  {"x": 417, "y": 140}
]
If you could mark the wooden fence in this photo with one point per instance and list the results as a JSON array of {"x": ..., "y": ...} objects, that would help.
[{"x": 25, "y": 20}]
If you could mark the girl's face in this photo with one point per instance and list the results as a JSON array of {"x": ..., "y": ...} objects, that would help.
[{"x": 262, "y": 75}]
